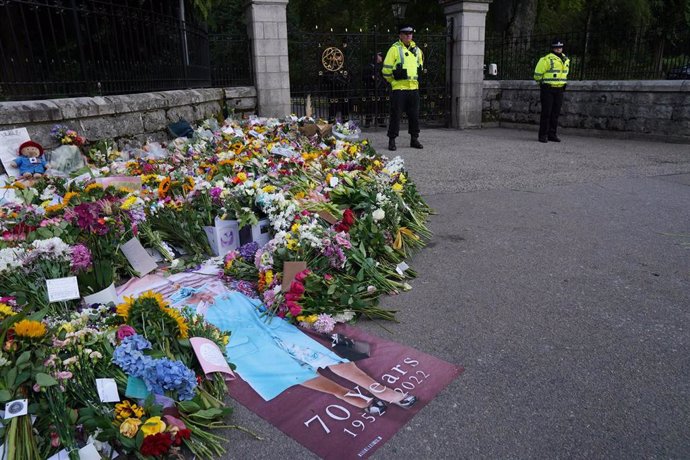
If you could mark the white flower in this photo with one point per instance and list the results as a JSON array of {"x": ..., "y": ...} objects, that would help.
[
  {"x": 11, "y": 258},
  {"x": 379, "y": 214},
  {"x": 333, "y": 182},
  {"x": 52, "y": 248}
]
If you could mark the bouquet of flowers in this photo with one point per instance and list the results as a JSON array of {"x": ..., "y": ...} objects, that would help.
[{"x": 66, "y": 136}]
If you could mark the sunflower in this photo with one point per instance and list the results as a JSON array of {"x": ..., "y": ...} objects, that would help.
[
  {"x": 93, "y": 186},
  {"x": 124, "y": 308},
  {"x": 68, "y": 197},
  {"x": 181, "y": 322},
  {"x": 163, "y": 187},
  {"x": 30, "y": 329},
  {"x": 155, "y": 296},
  {"x": 189, "y": 185},
  {"x": 54, "y": 208}
]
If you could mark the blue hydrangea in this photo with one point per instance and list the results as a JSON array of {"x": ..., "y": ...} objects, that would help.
[
  {"x": 160, "y": 375},
  {"x": 166, "y": 375},
  {"x": 128, "y": 355}
]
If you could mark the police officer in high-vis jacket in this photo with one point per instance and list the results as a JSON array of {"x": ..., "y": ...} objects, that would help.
[
  {"x": 401, "y": 68},
  {"x": 552, "y": 74}
]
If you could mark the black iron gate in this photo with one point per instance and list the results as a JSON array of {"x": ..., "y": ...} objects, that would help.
[{"x": 336, "y": 75}]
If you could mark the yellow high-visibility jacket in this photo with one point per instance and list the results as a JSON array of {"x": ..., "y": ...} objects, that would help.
[
  {"x": 411, "y": 58},
  {"x": 552, "y": 70}
]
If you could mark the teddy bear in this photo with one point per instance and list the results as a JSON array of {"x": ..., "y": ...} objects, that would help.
[{"x": 30, "y": 161}]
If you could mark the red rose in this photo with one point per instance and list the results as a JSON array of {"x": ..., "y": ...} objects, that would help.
[
  {"x": 156, "y": 444},
  {"x": 294, "y": 308},
  {"x": 348, "y": 217}
]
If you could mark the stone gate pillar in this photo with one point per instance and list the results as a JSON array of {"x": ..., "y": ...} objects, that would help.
[
  {"x": 467, "y": 56},
  {"x": 267, "y": 28}
]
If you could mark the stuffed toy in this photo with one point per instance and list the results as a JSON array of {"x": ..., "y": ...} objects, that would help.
[{"x": 30, "y": 161}]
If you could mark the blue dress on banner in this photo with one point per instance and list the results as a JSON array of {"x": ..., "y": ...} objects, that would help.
[{"x": 271, "y": 354}]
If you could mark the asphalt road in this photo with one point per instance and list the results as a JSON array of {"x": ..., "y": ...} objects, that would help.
[{"x": 557, "y": 280}]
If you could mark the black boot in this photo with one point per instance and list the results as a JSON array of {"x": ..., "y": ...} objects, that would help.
[
  {"x": 414, "y": 143},
  {"x": 391, "y": 144}
]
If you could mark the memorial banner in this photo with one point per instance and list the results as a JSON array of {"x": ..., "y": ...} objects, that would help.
[{"x": 333, "y": 428}]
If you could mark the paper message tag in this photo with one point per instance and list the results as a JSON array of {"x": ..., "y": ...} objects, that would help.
[
  {"x": 136, "y": 388},
  {"x": 140, "y": 260},
  {"x": 290, "y": 270},
  {"x": 107, "y": 390},
  {"x": 211, "y": 357},
  {"x": 62, "y": 455},
  {"x": 16, "y": 408},
  {"x": 328, "y": 217},
  {"x": 401, "y": 267},
  {"x": 89, "y": 452},
  {"x": 60, "y": 289},
  {"x": 9, "y": 148}
]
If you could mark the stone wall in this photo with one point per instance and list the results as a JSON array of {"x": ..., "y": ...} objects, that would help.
[
  {"x": 652, "y": 109},
  {"x": 133, "y": 116}
]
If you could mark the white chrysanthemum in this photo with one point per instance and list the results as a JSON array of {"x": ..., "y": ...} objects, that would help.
[
  {"x": 378, "y": 215},
  {"x": 52, "y": 248},
  {"x": 11, "y": 258}
]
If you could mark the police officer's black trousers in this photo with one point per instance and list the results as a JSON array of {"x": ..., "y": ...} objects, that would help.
[
  {"x": 551, "y": 102},
  {"x": 404, "y": 101}
]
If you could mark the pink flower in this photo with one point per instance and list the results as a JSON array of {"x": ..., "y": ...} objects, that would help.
[
  {"x": 295, "y": 309},
  {"x": 63, "y": 375},
  {"x": 292, "y": 297},
  {"x": 125, "y": 331},
  {"x": 328, "y": 277},
  {"x": 54, "y": 439},
  {"x": 301, "y": 276},
  {"x": 37, "y": 388},
  {"x": 297, "y": 287}
]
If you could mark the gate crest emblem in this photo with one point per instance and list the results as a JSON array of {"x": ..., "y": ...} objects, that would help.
[{"x": 332, "y": 59}]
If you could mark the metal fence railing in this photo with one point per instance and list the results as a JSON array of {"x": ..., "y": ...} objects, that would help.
[
  {"x": 604, "y": 55},
  {"x": 230, "y": 59},
  {"x": 51, "y": 49}
]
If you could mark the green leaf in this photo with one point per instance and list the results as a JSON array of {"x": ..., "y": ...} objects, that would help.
[
  {"x": 23, "y": 358},
  {"x": 11, "y": 377},
  {"x": 45, "y": 380},
  {"x": 208, "y": 414},
  {"x": 5, "y": 395},
  {"x": 188, "y": 407}
]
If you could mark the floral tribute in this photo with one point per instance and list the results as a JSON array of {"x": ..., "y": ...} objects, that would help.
[{"x": 349, "y": 216}]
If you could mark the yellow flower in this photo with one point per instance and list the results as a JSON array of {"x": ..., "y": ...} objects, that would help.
[
  {"x": 269, "y": 188},
  {"x": 402, "y": 179},
  {"x": 53, "y": 208},
  {"x": 311, "y": 318},
  {"x": 299, "y": 195},
  {"x": 352, "y": 150},
  {"x": 126, "y": 409},
  {"x": 93, "y": 187},
  {"x": 153, "y": 425},
  {"x": 123, "y": 308},
  {"x": 155, "y": 296},
  {"x": 294, "y": 227},
  {"x": 130, "y": 427},
  {"x": 6, "y": 310},
  {"x": 68, "y": 197},
  {"x": 242, "y": 176},
  {"x": 30, "y": 329},
  {"x": 129, "y": 202},
  {"x": 268, "y": 276},
  {"x": 228, "y": 264},
  {"x": 181, "y": 323},
  {"x": 397, "y": 187}
]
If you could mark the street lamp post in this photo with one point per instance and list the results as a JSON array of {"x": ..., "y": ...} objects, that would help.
[{"x": 398, "y": 7}]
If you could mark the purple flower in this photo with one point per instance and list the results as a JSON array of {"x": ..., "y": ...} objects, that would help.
[
  {"x": 215, "y": 192},
  {"x": 324, "y": 323},
  {"x": 81, "y": 258},
  {"x": 248, "y": 251}
]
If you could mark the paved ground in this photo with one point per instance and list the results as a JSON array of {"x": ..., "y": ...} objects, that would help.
[{"x": 554, "y": 278}]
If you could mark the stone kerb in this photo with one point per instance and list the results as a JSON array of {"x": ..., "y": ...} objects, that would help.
[
  {"x": 653, "y": 109},
  {"x": 139, "y": 116}
]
